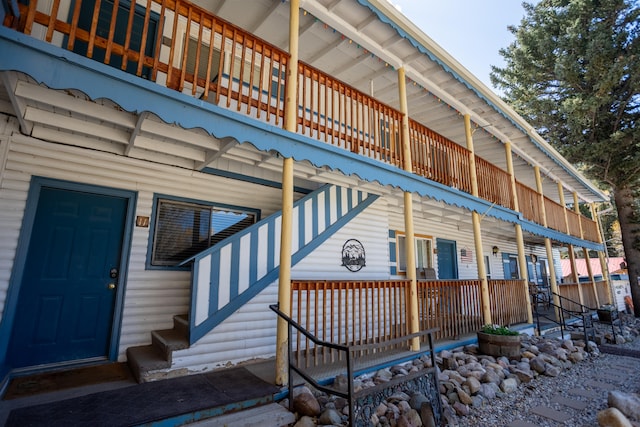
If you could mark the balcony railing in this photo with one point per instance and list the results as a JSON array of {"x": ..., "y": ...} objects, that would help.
[
  {"x": 555, "y": 215},
  {"x": 377, "y": 311},
  {"x": 187, "y": 48},
  {"x": 570, "y": 291}
]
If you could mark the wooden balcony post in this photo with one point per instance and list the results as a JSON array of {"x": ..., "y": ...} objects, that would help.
[
  {"x": 414, "y": 321},
  {"x": 284, "y": 279},
  {"x": 572, "y": 256},
  {"x": 522, "y": 258},
  {"x": 601, "y": 254},
  {"x": 574, "y": 273},
  {"x": 585, "y": 251},
  {"x": 547, "y": 241},
  {"x": 477, "y": 232}
]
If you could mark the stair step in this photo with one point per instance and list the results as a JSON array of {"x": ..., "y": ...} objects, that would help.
[
  {"x": 144, "y": 361},
  {"x": 169, "y": 340},
  {"x": 181, "y": 324},
  {"x": 270, "y": 415},
  {"x": 145, "y": 358}
]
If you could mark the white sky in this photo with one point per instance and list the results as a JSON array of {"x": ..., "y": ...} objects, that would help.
[{"x": 472, "y": 31}]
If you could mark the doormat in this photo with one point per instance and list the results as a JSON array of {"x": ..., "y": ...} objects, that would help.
[
  {"x": 60, "y": 380},
  {"x": 207, "y": 395}
]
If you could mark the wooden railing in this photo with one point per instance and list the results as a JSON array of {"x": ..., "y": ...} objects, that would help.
[
  {"x": 589, "y": 229},
  {"x": 508, "y": 302},
  {"x": 494, "y": 184},
  {"x": 187, "y": 48},
  {"x": 350, "y": 312},
  {"x": 439, "y": 159},
  {"x": 453, "y": 306},
  {"x": 334, "y": 112},
  {"x": 529, "y": 203},
  {"x": 376, "y": 311},
  {"x": 602, "y": 288},
  {"x": 570, "y": 290},
  {"x": 555, "y": 215},
  {"x": 573, "y": 218}
]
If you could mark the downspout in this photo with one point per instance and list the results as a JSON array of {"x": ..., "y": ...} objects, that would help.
[
  {"x": 477, "y": 232},
  {"x": 284, "y": 280}
]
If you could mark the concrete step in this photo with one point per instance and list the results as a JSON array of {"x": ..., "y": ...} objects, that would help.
[
  {"x": 144, "y": 360},
  {"x": 270, "y": 415}
]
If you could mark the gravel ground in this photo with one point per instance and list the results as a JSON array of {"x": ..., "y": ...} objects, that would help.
[{"x": 539, "y": 392}]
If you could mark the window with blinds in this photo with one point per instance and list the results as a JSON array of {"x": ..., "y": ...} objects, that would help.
[{"x": 184, "y": 229}]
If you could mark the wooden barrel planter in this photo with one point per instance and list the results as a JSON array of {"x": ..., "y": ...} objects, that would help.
[{"x": 499, "y": 345}]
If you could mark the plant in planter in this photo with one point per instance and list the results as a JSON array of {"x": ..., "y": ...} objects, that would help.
[{"x": 495, "y": 340}]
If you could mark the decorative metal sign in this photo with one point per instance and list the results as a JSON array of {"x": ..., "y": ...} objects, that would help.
[{"x": 353, "y": 256}]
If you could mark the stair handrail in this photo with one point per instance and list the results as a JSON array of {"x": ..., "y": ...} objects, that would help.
[
  {"x": 563, "y": 311},
  {"x": 349, "y": 357}
]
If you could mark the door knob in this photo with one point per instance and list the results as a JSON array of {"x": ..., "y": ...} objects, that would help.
[{"x": 111, "y": 286}]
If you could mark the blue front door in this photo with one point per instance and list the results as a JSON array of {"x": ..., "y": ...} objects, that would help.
[
  {"x": 447, "y": 259},
  {"x": 66, "y": 302}
]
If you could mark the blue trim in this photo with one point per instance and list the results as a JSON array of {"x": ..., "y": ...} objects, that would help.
[
  {"x": 37, "y": 58},
  {"x": 214, "y": 282},
  {"x": 235, "y": 272},
  {"x": 15, "y": 281},
  {"x": 218, "y": 315}
]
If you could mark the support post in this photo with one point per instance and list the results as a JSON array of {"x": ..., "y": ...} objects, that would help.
[
  {"x": 547, "y": 241},
  {"x": 284, "y": 279},
  {"x": 572, "y": 256},
  {"x": 477, "y": 231},
  {"x": 410, "y": 247},
  {"x": 603, "y": 254},
  {"x": 574, "y": 273},
  {"x": 522, "y": 258}
]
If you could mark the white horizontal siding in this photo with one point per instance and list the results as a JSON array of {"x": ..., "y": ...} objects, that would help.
[
  {"x": 256, "y": 324},
  {"x": 152, "y": 297}
]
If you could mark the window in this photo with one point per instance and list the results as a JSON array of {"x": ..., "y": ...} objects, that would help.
[
  {"x": 120, "y": 34},
  {"x": 423, "y": 248},
  {"x": 487, "y": 266},
  {"x": 192, "y": 50},
  {"x": 183, "y": 229}
]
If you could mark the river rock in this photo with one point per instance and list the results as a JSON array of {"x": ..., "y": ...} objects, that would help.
[
  {"x": 611, "y": 417},
  {"x": 627, "y": 403}
]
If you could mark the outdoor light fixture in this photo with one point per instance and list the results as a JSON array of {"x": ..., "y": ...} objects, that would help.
[{"x": 495, "y": 250}]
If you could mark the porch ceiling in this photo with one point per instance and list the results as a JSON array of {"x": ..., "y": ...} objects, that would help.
[{"x": 366, "y": 52}]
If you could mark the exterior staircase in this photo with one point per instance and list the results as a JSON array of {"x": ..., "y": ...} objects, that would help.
[
  {"x": 221, "y": 283},
  {"x": 144, "y": 361}
]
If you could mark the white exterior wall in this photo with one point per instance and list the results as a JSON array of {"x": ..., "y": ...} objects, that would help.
[
  {"x": 152, "y": 297},
  {"x": 250, "y": 332}
]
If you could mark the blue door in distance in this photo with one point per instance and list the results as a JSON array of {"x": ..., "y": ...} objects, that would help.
[
  {"x": 66, "y": 301},
  {"x": 447, "y": 259}
]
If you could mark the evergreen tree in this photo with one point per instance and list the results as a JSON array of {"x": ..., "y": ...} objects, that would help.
[{"x": 573, "y": 72}]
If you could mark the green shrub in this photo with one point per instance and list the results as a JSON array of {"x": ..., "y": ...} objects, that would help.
[{"x": 498, "y": 330}]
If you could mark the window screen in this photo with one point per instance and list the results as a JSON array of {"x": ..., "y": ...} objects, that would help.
[{"x": 185, "y": 229}]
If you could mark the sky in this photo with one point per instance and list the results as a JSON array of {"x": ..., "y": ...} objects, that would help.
[{"x": 472, "y": 31}]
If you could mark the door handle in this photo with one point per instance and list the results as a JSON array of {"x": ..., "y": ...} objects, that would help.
[{"x": 111, "y": 286}]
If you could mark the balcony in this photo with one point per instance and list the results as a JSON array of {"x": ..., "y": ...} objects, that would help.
[{"x": 186, "y": 48}]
